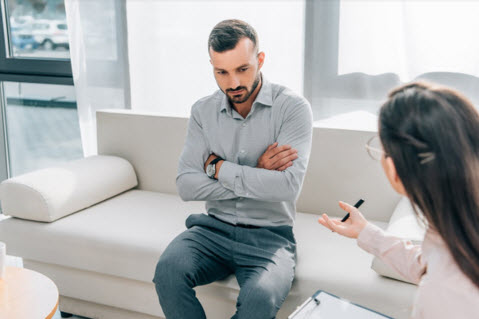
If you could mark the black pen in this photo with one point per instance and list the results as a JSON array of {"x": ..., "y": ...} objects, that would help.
[{"x": 359, "y": 203}]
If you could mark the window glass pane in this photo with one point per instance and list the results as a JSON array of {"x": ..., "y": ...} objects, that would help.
[
  {"x": 38, "y": 29},
  {"x": 42, "y": 126},
  {"x": 168, "y": 54}
]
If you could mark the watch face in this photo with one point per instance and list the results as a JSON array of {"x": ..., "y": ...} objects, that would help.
[{"x": 210, "y": 170}]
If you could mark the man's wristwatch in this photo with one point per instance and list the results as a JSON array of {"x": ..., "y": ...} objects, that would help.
[{"x": 211, "y": 168}]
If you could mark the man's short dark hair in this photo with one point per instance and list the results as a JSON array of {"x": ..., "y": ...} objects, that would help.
[{"x": 226, "y": 35}]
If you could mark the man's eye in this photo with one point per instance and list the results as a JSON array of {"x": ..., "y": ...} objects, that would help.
[
  {"x": 221, "y": 72},
  {"x": 243, "y": 69}
]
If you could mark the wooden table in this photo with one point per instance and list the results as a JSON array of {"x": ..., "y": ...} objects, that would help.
[{"x": 27, "y": 294}]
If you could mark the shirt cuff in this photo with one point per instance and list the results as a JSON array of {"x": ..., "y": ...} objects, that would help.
[
  {"x": 228, "y": 174},
  {"x": 370, "y": 238}
]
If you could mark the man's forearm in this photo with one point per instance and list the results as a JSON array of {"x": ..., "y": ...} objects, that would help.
[
  {"x": 262, "y": 184},
  {"x": 197, "y": 186}
]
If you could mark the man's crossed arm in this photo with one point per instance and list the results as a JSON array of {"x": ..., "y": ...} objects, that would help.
[
  {"x": 275, "y": 178},
  {"x": 275, "y": 158}
]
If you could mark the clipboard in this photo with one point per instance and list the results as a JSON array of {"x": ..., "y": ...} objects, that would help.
[{"x": 323, "y": 305}]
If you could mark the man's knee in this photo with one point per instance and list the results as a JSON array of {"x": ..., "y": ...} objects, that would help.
[
  {"x": 262, "y": 301},
  {"x": 161, "y": 270},
  {"x": 171, "y": 270},
  {"x": 266, "y": 301}
]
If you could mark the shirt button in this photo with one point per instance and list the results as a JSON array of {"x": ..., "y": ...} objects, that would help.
[
  {"x": 244, "y": 124},
  {"x": 242, "y": 151}
]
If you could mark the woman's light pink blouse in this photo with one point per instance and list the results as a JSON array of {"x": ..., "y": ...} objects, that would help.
[{"x": 443, "y": 290}]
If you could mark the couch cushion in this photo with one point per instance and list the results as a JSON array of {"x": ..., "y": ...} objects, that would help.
[
  {"x": 124, "y": 236},
  {"x": 405, "y": 224},
  {"x": 51, "y": 193}
]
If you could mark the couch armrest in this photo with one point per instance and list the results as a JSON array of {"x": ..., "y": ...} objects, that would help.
[
  {"x": 403, "y": 224},
  {"x": 49, "y": 194}
]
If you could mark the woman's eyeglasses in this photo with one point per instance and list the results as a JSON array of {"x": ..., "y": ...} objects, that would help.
[{"x": 374, "y": 148}]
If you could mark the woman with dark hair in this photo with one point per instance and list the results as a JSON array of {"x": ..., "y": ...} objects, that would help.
[{"x": 430, "y": 153}]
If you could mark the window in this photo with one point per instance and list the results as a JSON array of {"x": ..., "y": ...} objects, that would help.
[
  {"x": 39, "y": 124},
  {"x": 42, "y": 125},
  {"x": 36, "y": 29}
]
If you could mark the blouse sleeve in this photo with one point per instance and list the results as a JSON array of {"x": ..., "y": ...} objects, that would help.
[{"x": 400, "y": 254}]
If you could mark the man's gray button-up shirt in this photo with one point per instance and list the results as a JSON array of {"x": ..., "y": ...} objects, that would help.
[{"x": 244, "y": 194}]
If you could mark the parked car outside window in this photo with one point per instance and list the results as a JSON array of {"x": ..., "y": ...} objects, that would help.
[
  {"x": 50, "y": 34},
  {"x": 22, "y": 39}
]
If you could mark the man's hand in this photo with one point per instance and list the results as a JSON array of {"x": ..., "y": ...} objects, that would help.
[
  {"x": 277, "y": 157},
  {"x": 218, "y": 165}
]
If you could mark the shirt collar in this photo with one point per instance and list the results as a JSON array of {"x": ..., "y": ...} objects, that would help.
[
  {"x": 225, "y": 105},
  {"x": 264, "y": 97}
]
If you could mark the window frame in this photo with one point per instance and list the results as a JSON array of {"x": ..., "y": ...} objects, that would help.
[
  {"x": 25, "y": 70},
  {"x": 53, "y": 69}
]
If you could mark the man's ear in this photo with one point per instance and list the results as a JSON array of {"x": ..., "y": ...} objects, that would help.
[{"x": 261, "y": 56}]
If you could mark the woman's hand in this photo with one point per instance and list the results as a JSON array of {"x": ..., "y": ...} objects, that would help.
[{"x": 351, "y": 227}]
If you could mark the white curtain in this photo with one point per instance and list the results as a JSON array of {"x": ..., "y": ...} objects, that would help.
[
  {"x": 98, "y": 50},
  {"x": 380, "y": 44},
  {"x": 408, "y": 38},
  {"x": 168, "y": 51},
  {"x": 374, "y": 46}
]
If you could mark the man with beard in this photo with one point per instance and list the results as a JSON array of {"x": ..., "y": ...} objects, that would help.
[{"x": 246, "y": 153}]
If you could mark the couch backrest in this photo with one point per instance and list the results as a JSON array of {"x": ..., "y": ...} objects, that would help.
[{"x": 339, "y": 167}]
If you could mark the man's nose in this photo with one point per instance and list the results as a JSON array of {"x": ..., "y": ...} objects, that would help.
[{"x": 234, "y": 82}]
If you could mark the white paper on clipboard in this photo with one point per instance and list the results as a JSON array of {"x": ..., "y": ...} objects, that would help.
[{"x": 326, "y": 306}]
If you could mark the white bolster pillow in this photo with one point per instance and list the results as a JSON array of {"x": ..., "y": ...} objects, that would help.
[
  {"x": 52, "y": 193},
  {"x": 403, "y": 224}
]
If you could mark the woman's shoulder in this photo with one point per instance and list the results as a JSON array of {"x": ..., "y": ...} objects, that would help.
[
  {"x": 441, "y": 266},
  {"x": 444, "y": 284}
]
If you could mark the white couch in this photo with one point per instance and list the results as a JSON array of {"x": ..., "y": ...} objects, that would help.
[{"x": 102, "y": 258}]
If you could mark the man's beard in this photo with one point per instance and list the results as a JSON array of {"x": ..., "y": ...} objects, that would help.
[{"x": 239, "y": 99}]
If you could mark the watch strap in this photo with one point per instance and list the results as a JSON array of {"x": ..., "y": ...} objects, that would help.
[{"x": 216, "y": 160}]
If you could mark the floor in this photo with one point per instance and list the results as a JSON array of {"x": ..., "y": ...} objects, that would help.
[{"x": 58, "y": 316}]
